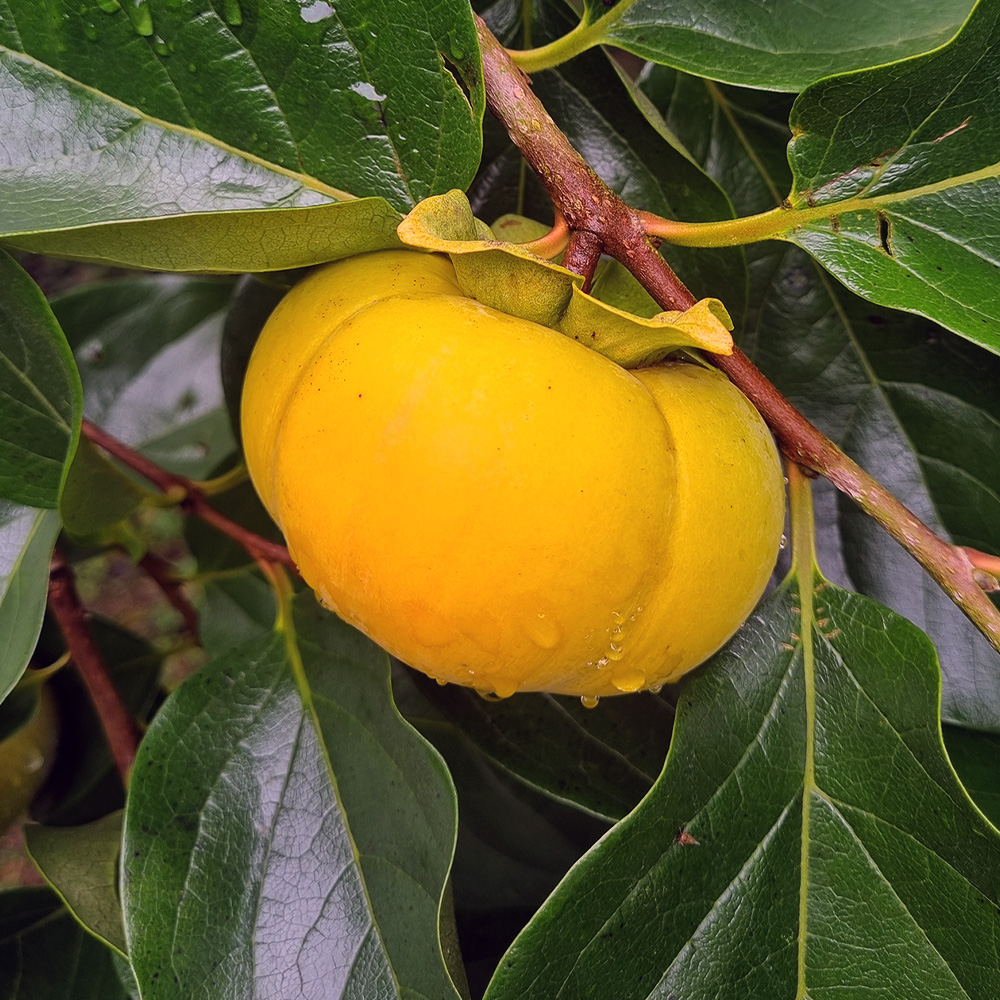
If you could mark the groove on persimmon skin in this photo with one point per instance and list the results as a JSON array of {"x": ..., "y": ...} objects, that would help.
[{"x": 496, "y": 504}]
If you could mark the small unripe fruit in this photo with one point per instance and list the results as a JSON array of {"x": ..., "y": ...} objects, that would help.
[{"x": 494, "y": 503}]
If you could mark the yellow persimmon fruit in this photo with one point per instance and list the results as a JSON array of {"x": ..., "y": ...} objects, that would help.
[{"x": 494, "y": 503}]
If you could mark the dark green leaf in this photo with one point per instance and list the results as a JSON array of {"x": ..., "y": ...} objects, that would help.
[
  {"x": 898, "y": 171},
  {"x": 97, "y": 494},
  {"x": 784, "y": 45},
  {"x": 46, "y": 955},
  {"x": 40, "y": 398},
  {"x": 81, "y": 864},
  {"x": 285, "y": 109},
  {"x": 807, "y": 780},
  {"x": 234, "y": 609},
  {"x": 285, "y": 839},
  {"x": 148, "y": 351},
  {"x": 976, "y": 759},
  {"x": 27, "y": 536},
  {"x": 603, "y": 759}
]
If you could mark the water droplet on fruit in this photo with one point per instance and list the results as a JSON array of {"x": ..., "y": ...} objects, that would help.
[
  {"x": 90, "y": 30},
  {"x": 602, "y": 663},
  {"x": 628, "y": 679},
  {"x": 441, "y": 681},
  {"x": 162, "y": 47},
  {"x": 543, "y": 630},
  {"x": 615, "y": 651},
  {"x": 504, "y": 687},
  {"x": 784, "y": 542},
  {"x": 589, "y": 700},
  {"x": 109, "y": 6},
  {"x": 655, "y": 688}
]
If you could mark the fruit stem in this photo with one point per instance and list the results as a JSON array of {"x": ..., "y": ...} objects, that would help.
[
  {"x": 119, "y": 726},
  {"x": 583, "y": 255},
  {"x": 553, "y": 242},
  {"x": 589, "y": 205},
  {"x": 194, "y": 500}
]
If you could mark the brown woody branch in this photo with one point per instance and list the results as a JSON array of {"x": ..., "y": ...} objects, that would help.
[
  {"x": 193, "y": 499},
  {"x": 589, "y": 206},
  {"x": 119, "y": 726}
]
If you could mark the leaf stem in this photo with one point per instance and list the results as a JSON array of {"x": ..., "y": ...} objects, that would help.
[
  {"x": 584, "y": 36},
  {"x": 191, "y": 497},
  {"x": 587, "y": 203},
  {"x": 119, "y": 726}
]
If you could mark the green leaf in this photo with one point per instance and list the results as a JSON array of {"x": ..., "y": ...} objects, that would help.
[
  {"x": 807, "y": 780},
  {"x": 40, "y": 398},
  {"x": 27, "y": 536},
  {"x": 603, "y": 759},
  {"x": 81, "y": 864},
  {"x": 898, "y": 172},
  {"x": 46, "y": 955},
  {"x": 113, "y": 122},
  {"x": 288, "y": 837},
  {"x": 784, "y": 45},
  {"x": 97, "y": 494},
  {"x": 148, "y": 352}
]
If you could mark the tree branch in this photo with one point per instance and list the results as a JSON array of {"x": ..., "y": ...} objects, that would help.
[
  {"x": 192, "y": 500},
  {"x": 117, "y": 722},
  {"x": 588, "y": 205}
]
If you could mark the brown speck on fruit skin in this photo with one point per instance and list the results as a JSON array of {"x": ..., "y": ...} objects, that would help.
[{"x": 684, "y": 839}]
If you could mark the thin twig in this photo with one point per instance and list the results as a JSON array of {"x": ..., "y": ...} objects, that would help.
[
  {"x": 587, "y": 204},
  {"x": 119, "y": 726},
  {"x": 192, "y": 499},
  {"x": 161, "y": 573}
]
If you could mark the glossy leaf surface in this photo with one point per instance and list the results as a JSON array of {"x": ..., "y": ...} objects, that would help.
[
  {"x": 27, "y": 536},
  {"x": 899, "y": 170},
  {"x": 782, "y": 45},
  {"x": 185, "y": 109},
  {"x": 806, "y": 838},
  {"x": 40, "y": 399},
  {"x": 288, "y": 840}
]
